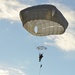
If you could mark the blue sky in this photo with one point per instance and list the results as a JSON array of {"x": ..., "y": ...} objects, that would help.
[{"x": 18, "y": 53}]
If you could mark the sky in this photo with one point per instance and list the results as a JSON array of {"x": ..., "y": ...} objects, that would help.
[{"x": 18, "y": 53}]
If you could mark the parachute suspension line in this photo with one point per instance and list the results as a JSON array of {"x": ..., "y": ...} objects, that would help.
[
  {"x": 39, "y": 71},
  {"x": 40, "y": 67}
]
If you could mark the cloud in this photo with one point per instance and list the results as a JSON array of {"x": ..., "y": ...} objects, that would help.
[
  {"x": 11, "y": 71},
  {"x": 65, "y": 41},
  {"x": 29, "y": 1},
  {"x": 16, "y": 71},
  {"x": 4, "y": 72},
  {"x": 52, "y": 1},
  {"x": 9, "y": 9},
  {"x": 7, "y": 69}
]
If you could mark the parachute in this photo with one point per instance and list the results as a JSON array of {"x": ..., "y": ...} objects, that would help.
[{"x": 43, "y": 20}]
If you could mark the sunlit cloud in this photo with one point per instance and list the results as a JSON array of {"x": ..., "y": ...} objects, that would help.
[
  {"x": 16, "y": 71},
  {"x": 9, "y": 9},
  {"x": 4, "y": 72},
  {"x": 52, "y": 1},
  {"x": 11, "y": 71},
  {"x": 65, "y": 42}
]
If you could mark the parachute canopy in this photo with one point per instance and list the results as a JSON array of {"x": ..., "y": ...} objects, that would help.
[
  {"x": 43, "y": 20},
  {"x": 41, "y": 48}
]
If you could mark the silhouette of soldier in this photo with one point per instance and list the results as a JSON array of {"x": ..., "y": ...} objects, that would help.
[{"x": 40, "y": 57}]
